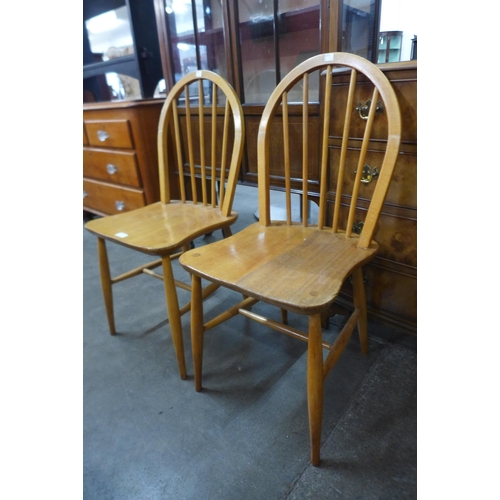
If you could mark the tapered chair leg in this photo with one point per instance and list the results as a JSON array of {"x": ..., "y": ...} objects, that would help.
[
  {"x": 315, "y": 386},
  {"x": 359, "y": 298},
  {"x": 106, "y": 283},
  {"x": 197, "y": 329},
  {"x": 174, "y": 317}
]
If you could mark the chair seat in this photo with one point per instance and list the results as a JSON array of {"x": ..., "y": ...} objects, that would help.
[
  {"x": 297, "y": 268},
  {"x": 160, "y": 228}
]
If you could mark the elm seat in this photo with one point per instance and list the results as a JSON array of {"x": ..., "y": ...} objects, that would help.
[
  {"x": 205, "y": 141},
  {"x": 302, "y": 267}
]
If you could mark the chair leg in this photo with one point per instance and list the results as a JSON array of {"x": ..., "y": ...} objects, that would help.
[
  {"x": 315, "y": 386},
  {"x": 106, "y": 283},
  {"x": 197, "y": 329},
  {"x": 359, "y": 297},
  {"x": 226, "y": 232},
  {"x": 173, "y": 314}
]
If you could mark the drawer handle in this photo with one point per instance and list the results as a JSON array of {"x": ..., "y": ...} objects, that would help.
[
  {"x": 85, "y": 194},
  {"x": 120, "y": 205},
  {"x": 102, "y": 135},
  {"x": 367, "y": 175},
  {"x": 364, "y": 110},
  {"x": 111, "y": 168},
  {"x": 358, "y": 227}
]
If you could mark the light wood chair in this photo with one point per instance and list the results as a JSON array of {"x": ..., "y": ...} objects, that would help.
[
  {"x": 201, "y": 132},
  {"x": 298, "y": 267}
]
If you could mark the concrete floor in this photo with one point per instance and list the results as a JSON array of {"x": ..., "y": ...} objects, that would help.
[{"x": 149, "y": 435}]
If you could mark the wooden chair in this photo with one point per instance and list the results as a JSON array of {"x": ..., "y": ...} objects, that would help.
[
  {"x": 295, "y": 266},
  {"x": 191, "y": 138}
]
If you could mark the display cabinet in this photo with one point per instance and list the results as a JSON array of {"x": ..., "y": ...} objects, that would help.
[
  {"x": 389, "y": 46},
  {"x": 121, "y": 54}
]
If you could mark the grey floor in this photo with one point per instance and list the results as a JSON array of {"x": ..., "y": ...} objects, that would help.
[{"x": 149, "y": 435}]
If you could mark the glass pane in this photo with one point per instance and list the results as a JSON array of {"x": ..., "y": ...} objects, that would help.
[
  {"x": 111, "y": 86},
  {"x": 209, "y": 27},
  {"x": 257, "y": 49},
  {"x": 299, "y": 39},
  {"x": 358, "y": 26},
  {"x": 180, "y": 20},
  {"x": 110, "y": 35}
]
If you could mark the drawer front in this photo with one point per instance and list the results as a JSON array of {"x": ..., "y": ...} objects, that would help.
[
  {"x": 110, "y": 199},
  {"x": 391, "y": 294},
  {"x": 406, "y": 93},
  {"x": 402, "y": 190},
  {"x": 109, "y": 133},
  {"x": 112, "y": 166},
  {"x": 396, "y": 232}
]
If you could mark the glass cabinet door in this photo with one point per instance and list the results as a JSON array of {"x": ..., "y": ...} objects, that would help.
[
  {"x": 275, "y": 36},
  {"x": 197, "y": 40}
]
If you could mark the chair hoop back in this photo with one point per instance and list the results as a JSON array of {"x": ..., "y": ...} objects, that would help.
[
  {"x": 326, "y": 176},
  {"x": 201, "y": 117}
]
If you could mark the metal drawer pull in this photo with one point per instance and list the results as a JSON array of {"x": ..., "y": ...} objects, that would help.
[
  {"x": 102, "y": 135},
  {"x": 358, "y": 227},
  {"x": 85, "y": 194},
  {"x": 120, "y": 205},
  {"x": 111, "y": 168},
  {"x": 367, "y": 176},
  {"x": 364, "y": 110}
]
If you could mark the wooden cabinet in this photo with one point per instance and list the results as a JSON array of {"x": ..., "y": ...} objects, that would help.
[
  {"x": 120, "y": 157},
  {"x": 391, "y": 278}
]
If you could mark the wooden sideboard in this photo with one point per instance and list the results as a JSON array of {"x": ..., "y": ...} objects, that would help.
[{"x": 120, "y": 157}]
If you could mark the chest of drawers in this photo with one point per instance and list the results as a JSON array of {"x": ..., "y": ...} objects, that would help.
[{"x": 120, "y": 157}]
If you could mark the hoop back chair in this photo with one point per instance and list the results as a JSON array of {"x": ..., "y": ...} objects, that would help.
[
  {"x": 297, "y": 266},
  {"x": 196, "y": 139}
]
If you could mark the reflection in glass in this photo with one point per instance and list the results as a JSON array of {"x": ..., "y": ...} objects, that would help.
[
  {"x": 299, "y": 39},
  {"x": 110, "y": 35},
  {"x": 197, "y": 37},
  {"x": 273, "y": 43},
  {"x": 358, "y": 27},
  {"x": 257, "y": 49}
]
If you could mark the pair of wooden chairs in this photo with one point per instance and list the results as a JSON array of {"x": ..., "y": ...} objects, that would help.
[{"x": 296, "y": 267}]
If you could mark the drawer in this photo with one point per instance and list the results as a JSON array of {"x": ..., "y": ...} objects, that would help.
[
  {"x": 111, "y": 199},
  {"x": 391, "y": 293},
  {"x": 111, "y": 166},
  {"x": 396, "y": 231},
  {"x": 406, "y": 93},
  {"x": 109, "y": 133},
  {"x": 402, "y": 190}
]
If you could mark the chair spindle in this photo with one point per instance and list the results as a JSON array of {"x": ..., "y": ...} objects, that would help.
[
  {"x": 343, "y": 151},
  {"x": 190, "y": 147},
  {"x": 361, "y": 162},
  {"x": 180, "y": 164},
  {"x": 324, "y": 152},
  {"x": 305, "y": 150},
  {"x": 214, "y": 146},
  {"x": 224, "y": 153},
  {"x": 201, "y": 116},
  {"x": 286, "y": 152}
]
